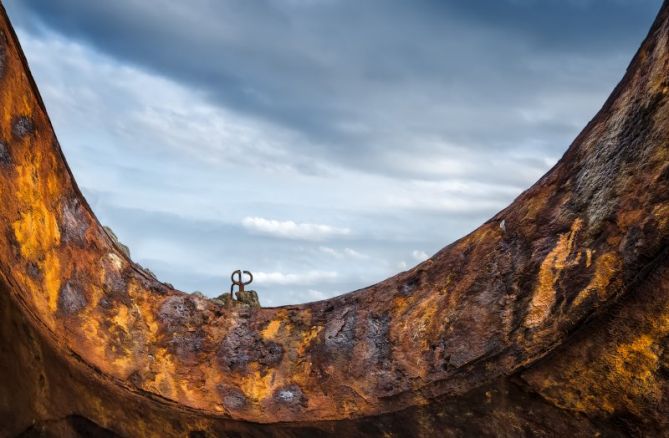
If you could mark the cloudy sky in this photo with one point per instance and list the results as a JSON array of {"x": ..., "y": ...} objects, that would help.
[{"x": 322, "y": 144}]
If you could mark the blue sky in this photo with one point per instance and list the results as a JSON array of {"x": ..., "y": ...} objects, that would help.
[{"x": 322, "y": 144}]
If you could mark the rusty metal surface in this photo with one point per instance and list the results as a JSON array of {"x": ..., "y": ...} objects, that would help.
[{"x": 549, "y": 318}]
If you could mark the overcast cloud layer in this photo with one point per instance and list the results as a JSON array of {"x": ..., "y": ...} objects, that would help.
[{"x": 321, "y": 144}]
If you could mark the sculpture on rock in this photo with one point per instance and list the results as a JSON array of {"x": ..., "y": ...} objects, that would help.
[{"x": 244, "y": 297}]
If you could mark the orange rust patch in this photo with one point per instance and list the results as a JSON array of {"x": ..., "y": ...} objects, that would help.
[
  {"x": 629, "y": 369},
  {"x": 605, "y": 267},
  {"x": 164, "y": 369},
  {"x": 52, "y": 274},
  {"x": 307, "y": 338},
  {"x": 271, "y": 330},
  {"x": 549, "y": 272},
  {"x": 36, "y": 231},
  {"x": 257, "y": 386},
  {"x": 661, "y": 214}
]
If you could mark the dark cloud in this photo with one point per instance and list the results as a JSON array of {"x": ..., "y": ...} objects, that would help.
[
  {"x": 582, "y": 26},
  {"x": 359, "y": 79}
]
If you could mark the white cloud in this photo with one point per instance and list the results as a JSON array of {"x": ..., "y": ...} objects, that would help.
[
  {"x": 300, "y": 279},
  {"x": 345, "y": 253},
  {"x": 354, "y": 254},
  {"x": 293, "y": 230},
  {"x": 329, "y": 251},
  {"x": 419, "y": 255}
]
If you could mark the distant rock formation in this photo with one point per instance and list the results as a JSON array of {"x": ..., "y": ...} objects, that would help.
[
  {"x": 247, "y": 298},
  {"x": 124, "y": 248}
]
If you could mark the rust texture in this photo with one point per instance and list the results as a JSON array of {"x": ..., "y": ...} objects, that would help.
[{"x": 551, "y": 318}]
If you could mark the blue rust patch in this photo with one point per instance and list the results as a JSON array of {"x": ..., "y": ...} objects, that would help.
[
  {"x": 243, "y": 346},
  {"x": 74, "y": 222},
  {"x": 233, "y": 398},
  {"x": 22, "y": 126},
  {"x": 71, "y": 299},
  {"x": 290, "y": 396},
  {"x": 5, "y": 156}
]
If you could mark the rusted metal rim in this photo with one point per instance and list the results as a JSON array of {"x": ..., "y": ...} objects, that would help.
[{"x": 496, "y": 300}]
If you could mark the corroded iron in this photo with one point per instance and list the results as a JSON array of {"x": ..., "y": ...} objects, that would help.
[
  {"x": 239, "y": 282},
  {"x": 551, "y": 318}
]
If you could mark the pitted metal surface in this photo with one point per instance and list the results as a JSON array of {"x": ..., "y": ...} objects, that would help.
[{"x": 469, "y": 333}]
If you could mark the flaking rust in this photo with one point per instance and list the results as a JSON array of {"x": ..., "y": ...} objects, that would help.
[{"x": 549, "y": 319}]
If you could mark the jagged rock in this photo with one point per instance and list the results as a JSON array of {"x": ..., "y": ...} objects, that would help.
[
  {"x": 243, "y": 298},
  {"x": 219, "y": 301},
  {"x": 248, "y": 297},
  {"x": 150, "y": 272},
  {"x": 117, "y": 242}
]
